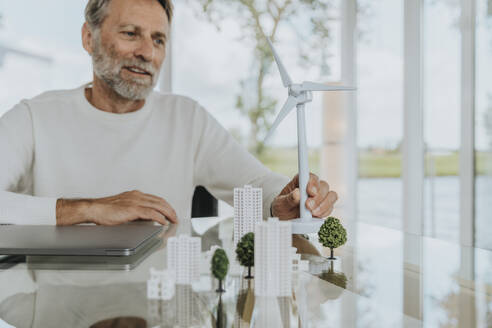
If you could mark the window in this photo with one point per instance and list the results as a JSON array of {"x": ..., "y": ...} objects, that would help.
[
  {"x": 483, "y": 125},
  {"x": 380, "y": 111},
  {"x": 40, "y": 50},
  {"x": 442, "y": 110}
]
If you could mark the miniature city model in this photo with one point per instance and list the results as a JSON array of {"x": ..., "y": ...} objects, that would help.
[
  {"x": 273, "y": 258},
  {"x": 160, "y": 286},
  {"x": 248, "y": 210},
  {"x": 299, "y": 96},
  {"x": 182, "y": 310},
  {"x": 183, "y": 257},
  {"x": 297, "y": 263}
]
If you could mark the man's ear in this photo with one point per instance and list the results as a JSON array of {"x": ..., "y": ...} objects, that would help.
[{"x": 87, "y": 38}]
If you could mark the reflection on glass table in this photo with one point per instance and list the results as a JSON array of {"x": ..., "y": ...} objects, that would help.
[{"x": 381, "y": 278}]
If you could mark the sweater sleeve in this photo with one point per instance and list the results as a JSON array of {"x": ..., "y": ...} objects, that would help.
[
  {"x": 222, "y": 164},
  {"x": 16, "y": 160}
]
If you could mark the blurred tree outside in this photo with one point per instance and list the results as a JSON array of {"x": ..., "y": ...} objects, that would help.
[{"x": 260, "y": 19}]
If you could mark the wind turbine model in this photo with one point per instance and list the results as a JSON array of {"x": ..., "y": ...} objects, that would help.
[{"x": 299, "y": 95}]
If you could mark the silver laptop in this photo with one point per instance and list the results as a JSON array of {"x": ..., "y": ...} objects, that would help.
[{"x": 83, "y": 240}]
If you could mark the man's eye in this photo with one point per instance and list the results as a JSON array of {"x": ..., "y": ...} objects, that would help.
[
  {"x": 159, "y": 42},
  {"x": 131, "y": 34}
]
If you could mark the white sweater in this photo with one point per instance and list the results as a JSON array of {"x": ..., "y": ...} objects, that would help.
[{"x": 57, "y": 145}]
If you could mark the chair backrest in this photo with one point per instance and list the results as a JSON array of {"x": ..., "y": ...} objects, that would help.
[{"x": 204, "y": 204}]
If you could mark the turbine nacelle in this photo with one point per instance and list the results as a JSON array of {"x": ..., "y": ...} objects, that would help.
[{"x": 302, "y": 97}]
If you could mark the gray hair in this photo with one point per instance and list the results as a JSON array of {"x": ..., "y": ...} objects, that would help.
[{"x": 97, "y": 10}]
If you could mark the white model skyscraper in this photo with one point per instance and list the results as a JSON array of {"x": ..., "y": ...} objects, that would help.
[
  {"x": 273, "y": 258},
  {"x": 183, "y": 257},
  {"x": 248, "y": 210}
]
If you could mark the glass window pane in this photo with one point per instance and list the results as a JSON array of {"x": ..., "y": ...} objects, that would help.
[
  {"x": 483, "y": 127},
  {"x": 442, "y": 106},
  {"x": 39, "y": 54},
  {"x": 380, "y": 111}
]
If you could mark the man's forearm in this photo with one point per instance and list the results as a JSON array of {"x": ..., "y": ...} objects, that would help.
[{"x": 72, "y": 211}]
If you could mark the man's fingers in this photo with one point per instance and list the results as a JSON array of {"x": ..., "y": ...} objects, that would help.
[
  {"x": 314, "y": 201},
  {"x": 326, "y": 213},
  {"x": 313, "y": 186},
  {"x": 163, "y": 209},
  {"x": 166, "y": 209},
  {"x": 289, "y": 201},
  {"x": 151, "y": 214},
  {"x": 293, "y": 198},
  {"x": 158, "y": 204},
  {"x": 293, "y": 184},
  {"x": 326, "y": 206}
]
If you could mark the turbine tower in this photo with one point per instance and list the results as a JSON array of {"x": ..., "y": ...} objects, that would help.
[{"x": 299, "y": 96}]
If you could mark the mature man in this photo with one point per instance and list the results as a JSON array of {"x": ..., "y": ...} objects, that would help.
[{"x": 78, "y": 156}]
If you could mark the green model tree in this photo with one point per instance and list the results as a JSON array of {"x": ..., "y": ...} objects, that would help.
[
  {"x": 245, "y": 252},
  {"x": 332, "y": 234},
  {"x": 220, "y": 266}
]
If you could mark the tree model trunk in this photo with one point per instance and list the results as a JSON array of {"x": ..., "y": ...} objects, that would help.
[
  {"x": 331, "y": 255},
  {"x": 249, "y": 276}
]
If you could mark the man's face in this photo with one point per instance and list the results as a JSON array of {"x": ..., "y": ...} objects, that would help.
[{"x": 130, "y": 47}]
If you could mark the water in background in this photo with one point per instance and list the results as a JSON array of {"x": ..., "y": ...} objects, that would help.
[{"x": 380, "y": 203}]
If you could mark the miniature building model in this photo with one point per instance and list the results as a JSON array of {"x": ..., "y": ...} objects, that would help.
[
  {"x": 186, "y": 307},
  {"x": 269, "y": 312},
  {"x": 183, "y": 258},
  {"x": 183, "y": 310},
  {"x": 248, "y": 210},
  {"x": 297, "y": 263},
  {"x": 160, "y": 286},
  {"x": 273, "y": 258}
]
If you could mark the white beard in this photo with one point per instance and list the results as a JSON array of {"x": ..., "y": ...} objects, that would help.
[{"x": 108, "y": 68}]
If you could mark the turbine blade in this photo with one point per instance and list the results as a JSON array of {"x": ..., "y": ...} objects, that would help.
[
  {"x": 283, "y": 72},
  {"x": 312, "y": 86},
  {"x": 288, "y": 106}
]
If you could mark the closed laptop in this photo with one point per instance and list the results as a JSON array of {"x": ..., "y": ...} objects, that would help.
[{"x": 122, "y": 240}]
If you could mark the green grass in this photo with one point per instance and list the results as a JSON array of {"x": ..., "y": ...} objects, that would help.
[
  {"x": 284, "y": 160},
  {"x": 373, "y": 164},
  {"x": 484, "y": 163}
]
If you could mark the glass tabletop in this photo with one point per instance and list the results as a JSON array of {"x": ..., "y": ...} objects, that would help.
[{"x": 381, "y": 278}]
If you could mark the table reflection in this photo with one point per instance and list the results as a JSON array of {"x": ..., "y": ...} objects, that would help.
[{"x": 382, "y": 278}]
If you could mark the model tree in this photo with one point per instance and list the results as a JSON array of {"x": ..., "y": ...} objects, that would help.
[
  {"x": 220, "y": 266},
  {"x": 332, "y": 234},
  {"x": 245, "y": 252}
]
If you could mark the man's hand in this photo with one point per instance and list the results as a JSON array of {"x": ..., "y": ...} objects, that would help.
[
  {"x": 114, "y": 210},
  {"x": 320, "y": 199}
]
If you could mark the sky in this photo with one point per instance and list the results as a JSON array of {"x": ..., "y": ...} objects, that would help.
[{"x": 208, "y": 64}]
